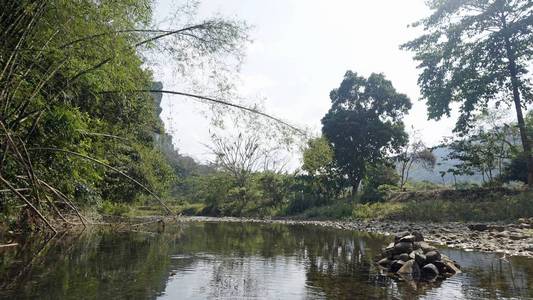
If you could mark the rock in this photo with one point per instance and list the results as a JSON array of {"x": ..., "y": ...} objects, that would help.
[
  {"x": 503, "y": 234},
  {"x": 478, "y": 227},
  {"x": 414, "y": 252},
  {"x": 424, "y": 246},
  {"x": 404, "y": 257},
  {"x": 389, "y": 250},
  {"x": 385, "y": 262},
  {"x": 403, "y": 247},
  {"x": 408, "y": 238},
  {"x": 410, "y": 268},
  {"x": 450, "y": 266},
  {"x": 429, "y": 271},
  {"x": 432, "y": 256},
  {"x": 498, "y": 228},
  {"x": 418, "y": 236},
  {"x": 396, "y": 265},
  {"x": 420, "y": 259},
  {"x": 525, "y": 226},
  {"x": 400, "y": 235},
  {"x": 516, "y": 237}
]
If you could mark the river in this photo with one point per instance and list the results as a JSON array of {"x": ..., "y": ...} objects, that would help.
[{"x": 232, "y": 260}]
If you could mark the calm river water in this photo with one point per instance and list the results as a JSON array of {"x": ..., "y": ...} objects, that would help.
[{"x": 239, "y": 261}]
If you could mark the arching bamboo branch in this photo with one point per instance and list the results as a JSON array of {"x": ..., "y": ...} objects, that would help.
[{"x": 107, "y": 166}]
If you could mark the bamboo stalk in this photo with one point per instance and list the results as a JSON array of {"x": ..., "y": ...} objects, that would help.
[
  {"x": 11, "y": 187},
  {"x": 107, "y": 166}
]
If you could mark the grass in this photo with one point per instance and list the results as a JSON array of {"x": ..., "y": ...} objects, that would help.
[
  {"x": 339, "y": 210},
  {"x": 505, "y": 208}
]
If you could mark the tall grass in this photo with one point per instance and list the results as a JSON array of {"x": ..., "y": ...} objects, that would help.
[{"x": 506, "y": 208}]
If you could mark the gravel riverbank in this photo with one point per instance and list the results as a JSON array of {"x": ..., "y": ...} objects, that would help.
[{"x": 510, "y": 239}]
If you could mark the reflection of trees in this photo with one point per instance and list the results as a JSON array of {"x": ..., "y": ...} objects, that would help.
[
  {"x": 101, "y": 265},
  {"x": 241, "y": 260},
  {"x": 495, "y": 278}
]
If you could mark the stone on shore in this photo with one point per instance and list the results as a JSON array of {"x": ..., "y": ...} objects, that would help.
[{"x": 413, "y": 259}]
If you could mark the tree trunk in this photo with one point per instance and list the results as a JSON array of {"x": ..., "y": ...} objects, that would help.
[
  {"x": 518, "y": 106},
  {"x": 355, "y": 186}
]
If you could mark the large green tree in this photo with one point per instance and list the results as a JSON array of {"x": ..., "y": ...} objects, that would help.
[
  {"x": 476, "y": 52},
  {"x": 364, "y": 124}
]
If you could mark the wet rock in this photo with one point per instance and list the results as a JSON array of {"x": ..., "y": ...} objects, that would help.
[
  {"x": 410, "y": 258},
  {"x": 418, "y": 236},
  {"x": 430, "y": 271},
  {"x": 385, "y": 262},
  {"x": 410, "y": 268},
  {"x": 408, "y": 238},
  {"x": 400, "y": 235},
  {"x": 404, "y": 257},
  {"x": 396, "y": 265},
  {"x": 433, "y": 256},
  {"x": 414, "y": 252},
  {"x": 424, "y": 246},
  {"x": 478, "y": 227},
  {"x": 449, "y": 266},
  {"x": 389, "y": 250},
  {"x": 420, "y": 259},
  {"x": 403, "y": 247}
]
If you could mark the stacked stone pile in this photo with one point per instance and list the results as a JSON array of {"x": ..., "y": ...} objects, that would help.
[{"x": 413, "y": 259}]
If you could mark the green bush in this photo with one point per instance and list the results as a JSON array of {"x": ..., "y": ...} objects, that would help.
[
  {"x": 336, "y": 211},
  {"x": 114, "y": 209}
]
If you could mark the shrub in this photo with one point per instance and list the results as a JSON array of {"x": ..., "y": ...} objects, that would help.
[{"x": 114, "y": 209}]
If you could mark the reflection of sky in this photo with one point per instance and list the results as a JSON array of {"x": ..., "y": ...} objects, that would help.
[
  {"x": 337, "y": 264},
  {"x": 235, "y": 278}
]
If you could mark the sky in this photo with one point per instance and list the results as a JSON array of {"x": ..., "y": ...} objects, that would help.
[{"x": 300, "y": 52}]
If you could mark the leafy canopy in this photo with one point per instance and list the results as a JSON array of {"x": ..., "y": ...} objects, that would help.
[
  {"x": 464, "y": 56},
  {"x": 364, "y": 123}
]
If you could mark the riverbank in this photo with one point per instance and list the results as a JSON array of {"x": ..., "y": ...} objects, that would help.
[{"x": 509, "y": 239}]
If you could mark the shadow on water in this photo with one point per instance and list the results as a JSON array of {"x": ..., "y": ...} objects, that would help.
[{"x": 237, "y": 260}]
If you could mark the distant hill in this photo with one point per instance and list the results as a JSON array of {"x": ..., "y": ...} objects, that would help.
[{"x": 418, "y": 173}]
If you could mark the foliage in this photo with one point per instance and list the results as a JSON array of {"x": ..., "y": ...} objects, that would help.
[
  {"x": 378, "y": 176},
  {"x": 414, "y": 152},
  {"x": 476, "y": 53},
  {"x": 325, "y": 179},
  {"x": 506, "y": 208},
  {"x": 336, "y": 211},
  {"x": 485, "y": 149},
  {"x": 114, "y": 209},
  {"x": 74, "y": 79},
  {"x": 364, "y": 123}
]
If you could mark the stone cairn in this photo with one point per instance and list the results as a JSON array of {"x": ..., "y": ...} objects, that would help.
[{"x": 410, "y": 258}]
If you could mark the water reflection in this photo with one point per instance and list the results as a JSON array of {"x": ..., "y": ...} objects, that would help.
[{"x": 237, "y": 261}]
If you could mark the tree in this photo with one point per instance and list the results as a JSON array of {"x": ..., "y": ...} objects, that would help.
[
  {"x": 476, "y": 52},
  {"x": 382, "y": 174},
  {"x": 319, "y": 164},
  {"x": 242, "y": 155},
  {"x": 364, "y": 124},
  {"x": 416, "y": 153}
]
